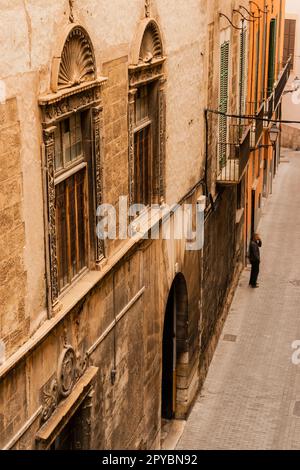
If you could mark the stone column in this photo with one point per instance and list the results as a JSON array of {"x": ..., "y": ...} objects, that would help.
[
  {"x": 131, "y": 122},
  {"x": 97, "y": 129},
  {"x": 162, "y": 141},
  {"x": 50, "y": 158}
]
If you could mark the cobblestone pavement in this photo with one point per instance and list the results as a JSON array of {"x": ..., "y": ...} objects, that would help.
[{"x": 251, "y": 398}]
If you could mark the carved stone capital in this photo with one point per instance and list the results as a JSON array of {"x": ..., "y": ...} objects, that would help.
[{"x": 71, "y": 366}]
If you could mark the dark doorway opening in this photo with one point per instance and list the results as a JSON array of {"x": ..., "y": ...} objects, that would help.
[{"x": 175, "y": 344}]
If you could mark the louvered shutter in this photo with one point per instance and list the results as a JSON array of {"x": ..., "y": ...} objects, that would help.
[
  {"x": 224, "y": 85},
  {"x": 272, "y": 56},
  {"x": 289, "y": 41}
]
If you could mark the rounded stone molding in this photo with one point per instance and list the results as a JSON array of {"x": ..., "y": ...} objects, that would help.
[
  {"x": 74, "y": 59},
  {"x": 66, "y": 372},
  {"x": 147, "y": 43}
]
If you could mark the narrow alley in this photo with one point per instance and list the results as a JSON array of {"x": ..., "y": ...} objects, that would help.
[{"x": 251, "y": 397}]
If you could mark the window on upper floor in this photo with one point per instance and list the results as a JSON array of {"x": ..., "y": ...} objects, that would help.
[
  {"x": 289, "y": 42},
  {"x": 71, "y": 196},
  {"x": 72, "y": 141},
  {"x": 143, "y": 146},
  {"x": 147, "y": 117}
]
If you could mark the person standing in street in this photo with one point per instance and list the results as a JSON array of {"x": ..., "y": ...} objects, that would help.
[{"x": 254, "y": 256}]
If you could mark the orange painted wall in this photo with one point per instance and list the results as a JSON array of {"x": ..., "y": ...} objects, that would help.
[{"x": 255, "y": 175}]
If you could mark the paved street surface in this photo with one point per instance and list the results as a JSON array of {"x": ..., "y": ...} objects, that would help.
[{"x": 251, "y": 398}]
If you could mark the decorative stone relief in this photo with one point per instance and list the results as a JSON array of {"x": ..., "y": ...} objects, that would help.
[
  {"x": 71, "y": 16},
  {"x": 50, "y": 156},
  {"x": 131, "y": 105},
  {"x": 76, "y": 88},
  {"x": 77, "y": 64},
  {"x": 71, "y": 366},
  {"x": 151, "y": 46},
  {"x": 147, "y": 8},
  {"x": 147, "y": 66},
  {"x": 50, "y": 397},
  {"x": 98, "y": 127},
  {"x": 55, "y": 109},
  {"x": 141, "y": 75},
  {"x": 162, "y": 140}
]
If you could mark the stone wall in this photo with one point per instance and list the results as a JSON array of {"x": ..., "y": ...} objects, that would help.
[
  {"x": 290, "y": 137},
  {"x": 115, "y": 149},
  {"x": 126, "y": 412},
  {"x": 14, "y": 324},
  {"x": 219, "y": 265}
]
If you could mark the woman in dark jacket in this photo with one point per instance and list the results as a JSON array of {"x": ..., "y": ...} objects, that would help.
[{"x": 254, "y": 256}]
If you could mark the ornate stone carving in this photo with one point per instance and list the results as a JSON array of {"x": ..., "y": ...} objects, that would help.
[
  {"x": 50, "y": 157},
  {"x": 147, "y": 8},
  {"x": 57, "y": 107},
  {"x": 151, "y": 46},
  {"x": 141, "y": 75},
  {"x": 147, "y": 62},
  {"x": 71, "y": 16},
  {"x": 162, "y": 141},
  {"x": 66, "y": 374},
  {"x": 49, "y": 399},
  {"x": 97, "y": 128},
  {"x": 71, "y": 366},
  {"x": 131, "y": 122},
  {"x": 77, "y": 64}
]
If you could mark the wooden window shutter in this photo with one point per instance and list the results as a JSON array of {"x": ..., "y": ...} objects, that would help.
[
  {"x": 223, "y": 107},
  {"x": 289, "y": 41},
  {"x": 272, "y": 52}
]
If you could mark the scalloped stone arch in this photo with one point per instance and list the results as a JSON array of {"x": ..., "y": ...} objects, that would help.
[
  {"x": 74, "y": 60},
  {"x": 147, "y": 44}
]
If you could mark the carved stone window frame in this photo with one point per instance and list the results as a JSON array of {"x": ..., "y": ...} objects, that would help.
[
  {"x": 60, "y": 104},
  {"x": 143, "y": 71}
]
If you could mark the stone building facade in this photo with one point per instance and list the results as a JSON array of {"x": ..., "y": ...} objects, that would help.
[{"x": 103, "y": 339}]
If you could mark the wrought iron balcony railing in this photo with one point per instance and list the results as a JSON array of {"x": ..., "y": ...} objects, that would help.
[{"x": 234, "y": 155}]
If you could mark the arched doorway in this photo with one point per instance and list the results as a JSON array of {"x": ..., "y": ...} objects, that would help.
[{"x": 175, "y": 344}]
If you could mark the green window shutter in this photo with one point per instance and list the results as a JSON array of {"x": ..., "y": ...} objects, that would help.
[
  {"x": 289, "y": 41},
  {"x": 223, "y": 105},
  {"x": 272, "y": 56}
]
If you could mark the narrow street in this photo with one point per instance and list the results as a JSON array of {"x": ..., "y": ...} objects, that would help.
[{"x": 251, "y": 397}]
